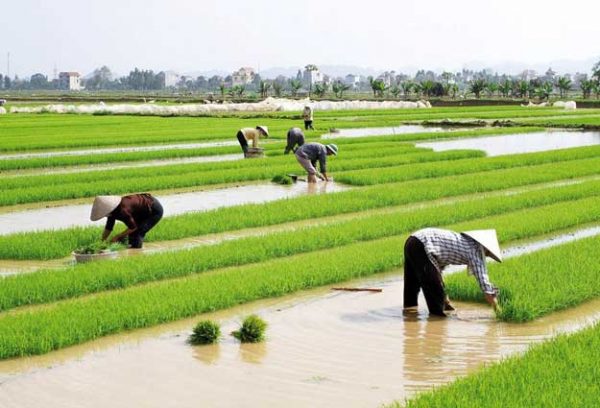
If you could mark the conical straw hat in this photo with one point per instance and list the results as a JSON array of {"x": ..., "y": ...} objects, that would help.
[
  {"x": 489, "y": 240},
  {"x": 264, "y": 129},
  {"x": 104, "y": 205}
]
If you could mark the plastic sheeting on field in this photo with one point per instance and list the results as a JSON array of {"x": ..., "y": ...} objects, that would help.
[
  {"x": 2, "y": 111},
  {"x": 570, "y": 105},
  {"x": 267, "y": 105}
]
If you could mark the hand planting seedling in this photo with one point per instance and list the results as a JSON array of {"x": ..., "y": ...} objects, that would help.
[
  {"x": 252, "y": 330},
  {"x": 205, "y": 332}
]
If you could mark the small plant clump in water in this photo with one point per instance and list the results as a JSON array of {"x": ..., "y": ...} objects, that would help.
[
  {"x": 252, "y": 330},
  {"x": 281, "y": 179},
  {"x": 99, "y": 247},
  {"x": 205, "y": 332}
]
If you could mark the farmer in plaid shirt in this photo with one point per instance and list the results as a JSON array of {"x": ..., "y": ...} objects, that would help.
[{"x": 428, "y": 251}]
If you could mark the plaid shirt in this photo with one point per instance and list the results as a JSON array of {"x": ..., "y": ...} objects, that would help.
[{"x": 445, "y": 248}]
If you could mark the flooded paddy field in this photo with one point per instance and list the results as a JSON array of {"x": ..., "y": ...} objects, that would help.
[{"x": 125, "y": 343}]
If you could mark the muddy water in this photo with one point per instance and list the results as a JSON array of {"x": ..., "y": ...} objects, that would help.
[
  {"x": 152, "y": 163},
  {"x": 521, "y": 143},
  {"x": 147, "y": 148},
  {"x": 385, "y": 131},
  {"x": 78, "y": 215},
  {"x": 324, "y": 348}
]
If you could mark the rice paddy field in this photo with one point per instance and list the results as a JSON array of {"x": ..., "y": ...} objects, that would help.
[{"x": 233, "y": 244}]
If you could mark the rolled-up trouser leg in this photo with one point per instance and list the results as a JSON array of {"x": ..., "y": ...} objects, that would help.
[
  {"x": 308, "y": 166},
  {"x": 243, "y": 142},
  {"x": 422, "y": 274}
]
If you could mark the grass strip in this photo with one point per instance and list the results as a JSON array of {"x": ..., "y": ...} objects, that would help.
[
  {"x": 562, "y": 372},
  {"x": 59, "y": 243},
  {"x": 51, "y": 285},
  {"x": 74, "y": 321}
]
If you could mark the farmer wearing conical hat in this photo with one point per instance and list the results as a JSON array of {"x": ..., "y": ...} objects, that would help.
[
  {"x": 428, "y": 251},
  {"x": 308, "y": 155},
  {"x": 139, "y": 212},
  {"x": 307, "y": 115},
  {"x": 251, "y": 134}
]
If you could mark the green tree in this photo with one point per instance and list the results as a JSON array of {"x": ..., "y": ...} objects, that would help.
[
  {"x": 277, "y": 88},
  {"x": 222, "y": 89},
  {"x": 407, "y": 87},
  {"x": 544, "y": 91},
  {"x": 492, "y": 88},
  {"x": 477, "y": 86},
  {"x": 564, "y": 85},
  {"x": 320, "y": 89},
  {"x": 596, "y": 72},
  {"x": 587, "y": 86},
  {"x": 339, "y": 88},
  {"x": 395, "y": 91},
  {"x": 523, "y": 89},
  {"x": 377, "y": 86},
  {"x": 505, "y": 87},
  {"x": 263, "y": 88},
  {"x": 453, "y": 90},
  {"x": 427, "y": 87},
  {"x": 295, "y": 86}
]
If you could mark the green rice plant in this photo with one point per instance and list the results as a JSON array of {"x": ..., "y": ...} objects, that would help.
[
  {"x": 252, "y": 330},
  {"x": 39, "y": 330},
  {"x": 205, "y": 332},
  {"x": 53, "y": 285},
  {"x": 56, "y": 244},
  {"x": 98, "y": 247},
  {"x": 392, "y": 174},
  {"x": 281, "y": 179},
  {"x": 542, "y": 282},
  {"x": 562, "y": 372}
]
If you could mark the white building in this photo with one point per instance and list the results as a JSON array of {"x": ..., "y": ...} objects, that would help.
[
  {"x": 311, "y": 77},
  {"x": 243, "y": 76},
  {"x": 70, "y": 81},
  {"x": 171, "y": 78},
  {"x": 352, "y": 80}
]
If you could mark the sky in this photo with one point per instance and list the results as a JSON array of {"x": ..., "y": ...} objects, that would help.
[{"x": 208, "y": 35}]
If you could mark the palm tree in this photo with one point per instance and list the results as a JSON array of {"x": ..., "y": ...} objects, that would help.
[
  {"x": 492, "y": 88},
  {"x": 544, "y": 90},
  {"x": 320, "y": 89},
  {"x": 476, "y": 87},
  {"x": 378, "y": 86},
  {"x": 395, "y": 91},
  {"x": 427, "y": 87},
  {"x": 523, "y": 88},
  {"x": 417, "y": 88},
  {"x": 505, "y": 87},
  {"x": 277, "y": 88},
  {"x": 339, "y": 88},
  {"x": 222, "y": 89},
  {"x": 263, "y": 88},
  {"x": 407, "y": 86},
  {"x": 295, "y": 86},
  {"x": 564, "y": 85},
  {"x": 453, "y": 90}
]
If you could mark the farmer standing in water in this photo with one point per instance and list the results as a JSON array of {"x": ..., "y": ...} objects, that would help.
[
  {"x": 139, "y": 212},
  {"x": 308, "y": 155},
  {"x": 428, "y": 251},
  {"x": 251, "y": 134}
]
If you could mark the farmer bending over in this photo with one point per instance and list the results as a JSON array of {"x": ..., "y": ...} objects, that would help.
[
  {"x": 253, "y": 134},
  {"x": 308, "y": 154},
  {"x": 139, "y": 212},
  {"x": 428, "y": 251},
  {"x": 295, "y": 137}
]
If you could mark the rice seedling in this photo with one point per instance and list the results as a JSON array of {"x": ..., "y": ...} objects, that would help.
[
  {"x": 281, "y": 179},
  {"x": 56, "y": 244},
  {"x": 542, "y": 282},
  {"x": 205, "y": 332},
  {"x": 252, "y": 330},
  {"x": 561, "y": 372}
]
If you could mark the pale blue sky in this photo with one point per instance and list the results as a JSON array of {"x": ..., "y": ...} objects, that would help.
[{"x": 224, "y": 34}]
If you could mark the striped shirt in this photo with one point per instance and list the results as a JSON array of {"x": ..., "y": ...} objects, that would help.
[{"x": 445, "y": 248}]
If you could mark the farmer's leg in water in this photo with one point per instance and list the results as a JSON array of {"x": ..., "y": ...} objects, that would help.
[
  {"x": 412, "y": 285},
  {"x": 243, "y": 142},
  {"x": 310, "y": 169},
  {"x": 136, "y": 239},
  {"x": 427, "y": 278}
]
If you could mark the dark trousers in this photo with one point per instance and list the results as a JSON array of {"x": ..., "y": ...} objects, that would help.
[
  {"x": 136, "y": 239},
  {"x": 243, "y": 142},
  {"x": 308, "y": 125},
  {"x": 420, "y": 273}
]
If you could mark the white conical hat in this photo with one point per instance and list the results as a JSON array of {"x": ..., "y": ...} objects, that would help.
[
  {"x": 104, "y": 205},
  {"x": 264, "y": 129},
  {"x": 489, "y": 240}
]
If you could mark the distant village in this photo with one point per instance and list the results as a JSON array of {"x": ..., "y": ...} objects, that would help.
[{"x": 247, "y": 82}]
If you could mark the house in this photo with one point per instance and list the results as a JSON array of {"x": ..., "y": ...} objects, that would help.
[
  {"x": 311, "y": 76},
  {"x": 70, "y": 81},
  {"x": 171, "y": 79},
  {"x": 243, "y": 76},
  {"x": 352, "y": 80}
]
